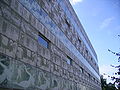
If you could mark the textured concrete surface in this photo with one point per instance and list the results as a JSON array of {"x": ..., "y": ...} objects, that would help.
[{"x": 27, "y": 65}]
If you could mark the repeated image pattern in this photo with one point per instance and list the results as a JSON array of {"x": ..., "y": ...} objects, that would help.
[{"x": 26, "y": 65}]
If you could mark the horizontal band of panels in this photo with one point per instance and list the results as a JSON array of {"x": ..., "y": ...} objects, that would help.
[{"x": 43, "y": 17}]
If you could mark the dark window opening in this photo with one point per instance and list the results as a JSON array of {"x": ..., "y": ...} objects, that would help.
[
  {"x": 91, "y": 58},
  {"x": 43, "y": 41},
  {"x": 68, "y": 24},
  {"x": 69, "y": 60},
  {"x": 87, "y": 51},
  {"x": 80, "y": 41},
  {"x": 81, "y": 69},
  {"x": 89, "y": 75}
]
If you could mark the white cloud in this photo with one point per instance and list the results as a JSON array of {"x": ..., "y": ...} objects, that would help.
[
  {"x": 75, "y": 1},
  {"x": 106, "y": 69},
  {"x": 106, "y": 22}
]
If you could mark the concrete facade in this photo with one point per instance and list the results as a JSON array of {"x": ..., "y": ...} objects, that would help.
[{"x": 69, "y": 62}]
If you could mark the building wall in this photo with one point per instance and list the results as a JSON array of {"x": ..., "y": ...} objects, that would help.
[{"x": 27, "y": 64}]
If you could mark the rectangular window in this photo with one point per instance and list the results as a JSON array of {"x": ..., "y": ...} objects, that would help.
[
  {"x": 89, "y": 75},
  {"x": 68, "y": 24},
  {"x": 91, "y": 58},
  {"x": 81, "y": 69},
  {"x": 43, "y": 41},
  {"x": 69, "y": 60},
  {"x": 87, "y": 52},
  {"x": 80, "y": 42}
]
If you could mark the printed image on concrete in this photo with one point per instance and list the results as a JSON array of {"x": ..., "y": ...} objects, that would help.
[{"x": 43, "y": 46}]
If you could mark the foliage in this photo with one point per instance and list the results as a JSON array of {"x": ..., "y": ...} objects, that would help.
[
  {"x": 106, "y": 86},
  {"x": 116, "y": 79},
  {"x": 111, "y": 86}
]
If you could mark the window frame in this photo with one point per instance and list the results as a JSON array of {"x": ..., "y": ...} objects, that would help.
[
  {"x": 44, "y": 39},
  {"x": 67, "y": 22},
  {"x": 70, "y": 61},
  {"x": 80, "y": 41}
]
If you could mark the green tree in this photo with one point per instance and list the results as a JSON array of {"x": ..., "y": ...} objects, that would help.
[
  {"x": 111, "y": 86},
  {"x": 116, "y": 79},
  {"x": 103, "y": 83},
  {"x": 106, "y": 86}
]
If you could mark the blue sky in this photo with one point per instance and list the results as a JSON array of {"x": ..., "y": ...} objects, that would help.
[{"x": 101, "y": 21}]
